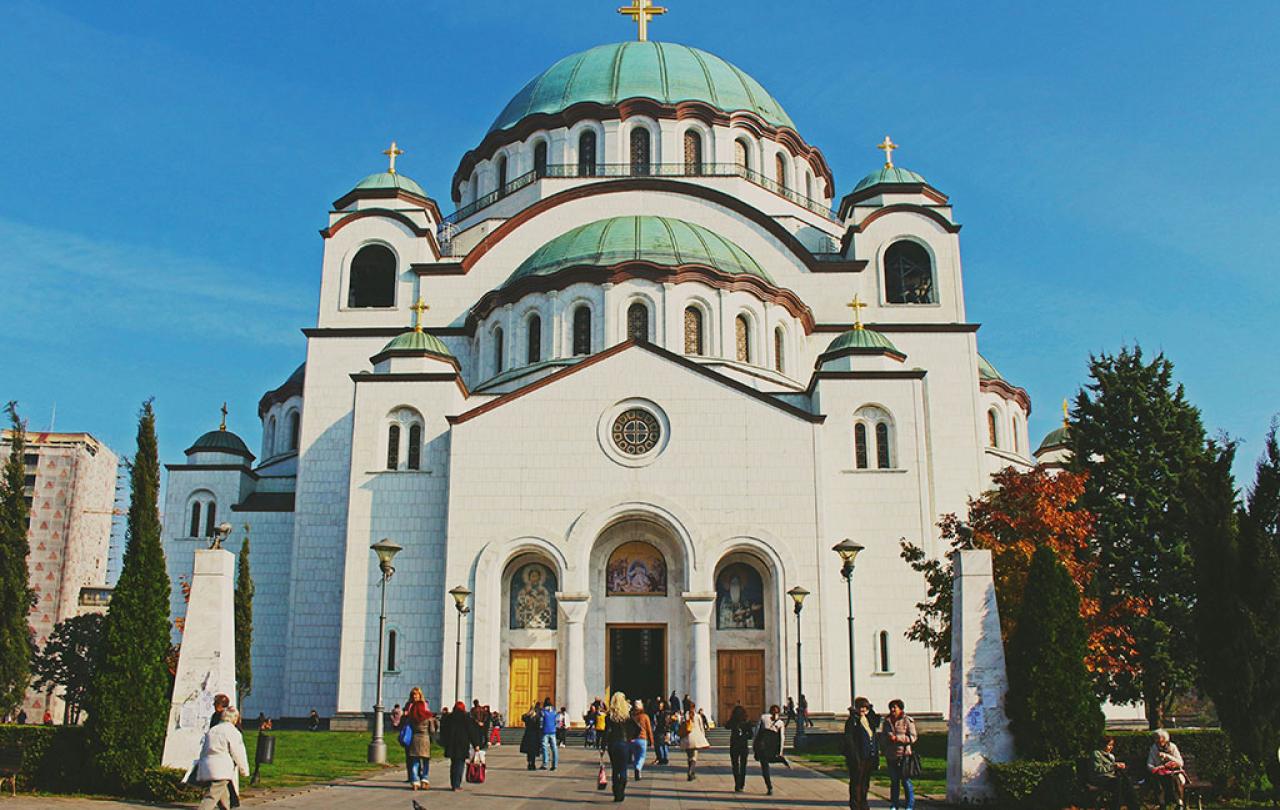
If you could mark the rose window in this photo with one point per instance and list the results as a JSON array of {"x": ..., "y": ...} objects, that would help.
[{"x": 636, "y": 432}]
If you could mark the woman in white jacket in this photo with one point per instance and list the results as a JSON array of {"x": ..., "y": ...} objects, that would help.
[{"x": 222, "y": 760}]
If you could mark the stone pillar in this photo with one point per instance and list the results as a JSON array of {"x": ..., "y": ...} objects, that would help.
[
  {"x": 701, "y": 606},
  {"x": 207, "y": 662},
  {"x": 977, "y": 727},
  {"x": 573, "y": 610}
]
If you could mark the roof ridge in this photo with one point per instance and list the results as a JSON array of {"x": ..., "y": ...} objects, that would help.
[
  {"x": 662, "y": 72},
  {"x": 573, "y": 76},
  {"x": 715, "y": 262},
  {"x": 706, "y": 75},
  {"x": 616, "y": 70},
  {"x": 675, "y": 243}
]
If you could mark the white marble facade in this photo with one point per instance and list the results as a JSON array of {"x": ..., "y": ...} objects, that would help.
[{"x": 505, "y": 455}]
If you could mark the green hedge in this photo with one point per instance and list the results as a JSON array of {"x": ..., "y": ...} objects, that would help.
[
  {"x": 1029, "y": 785},
  {"x": 931, "y": 743}
]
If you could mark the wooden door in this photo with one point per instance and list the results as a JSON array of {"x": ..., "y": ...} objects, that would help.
[
  {"x": 532, "y": 678},
  {"x": 740, "y": 679}
]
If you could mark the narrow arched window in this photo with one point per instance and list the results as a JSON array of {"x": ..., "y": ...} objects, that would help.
[
  {"x": 808, "y": 185},
  {"x": 269, "y": 444},
  {"x": 742, "y": 338},
  {"x": 780, "y": 170},
  {"x": 884, "y": 651},
  {"x": 587, "y": 154},
  {"x": 779, "y": 364},
  {"x": 540, "y": 159},
  {"x": 295, "y": 430},
  {"x": 993, "y": 431},
  {"x": 641, "y": 160},
  {"x": 638, "y": 322},
  {"x": 195, "y": 519},
  {"x": 533, "y": 339},
  {"x": 693, "y": 331},
  {"x": 740, "y": 154},
  {"x": 502, "y": 174},
  {"x": 415, "y": 447},
  {"x": 860, "y": 446},
  {"x": 499, "y": 347},
  {"x": 581, "y": 331},
  {"x": 393, "y": 447},
  {"x": 908, "y": 274},
  {"x": 872, "y": 422},
  {"x": 210, "y": 518},
  {"x": 692, "y": 152},
  {"x": 1014, "y": 432},
  {"x": 391, "y": 651},
  {"x": 373, "y": 278},
  {"x": 883, "y": 460}
]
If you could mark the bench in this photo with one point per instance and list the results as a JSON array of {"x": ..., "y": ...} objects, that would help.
[
  {"x": 1099, "y": 798},
  {"x": 1195, "y": 788},
  {"x": 10, "y": 764}
]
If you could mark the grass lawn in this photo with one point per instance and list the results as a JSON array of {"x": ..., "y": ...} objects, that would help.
[
  {"x": 933, "y": 781},
  {"x": 308, "y": 757}
]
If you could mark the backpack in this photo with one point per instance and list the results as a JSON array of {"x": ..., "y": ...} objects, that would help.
[{"x": 406, "y": 735}]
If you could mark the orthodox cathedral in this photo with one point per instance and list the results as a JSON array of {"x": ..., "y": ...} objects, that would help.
[{"x": 616, "y": 410}]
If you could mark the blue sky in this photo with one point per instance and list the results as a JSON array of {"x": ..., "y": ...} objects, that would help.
[{"x": 166, "y": 167}]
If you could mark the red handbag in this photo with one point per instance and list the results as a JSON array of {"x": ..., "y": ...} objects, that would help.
[
  {"x": 602, "y": 778},
  {"x": 475, "y": 772}
]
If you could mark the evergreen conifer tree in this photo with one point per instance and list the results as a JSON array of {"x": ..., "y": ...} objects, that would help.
[
  {"x": 16, "y": 596},
  {"x": 1053, "y": 711},
  {"x": 1137, "y": 437},
  {"x": 244, "y": 623},
  {"x": 130, "y": 691}
]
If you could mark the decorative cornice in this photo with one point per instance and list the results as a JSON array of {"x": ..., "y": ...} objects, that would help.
[
  {"x": 853, "y": 198},
  {"x": 899, "y": 208},
  {"x": 388, "y": 213},
  {"x": 590, "y": 110},
  {"x": 860, "y": 351},
  {"x": 1006, "y": 391},
  {"x": 387, "y": 354},
  {"x": 411, "y": 376},
  {"x": 387, "y": 194},
  {"x": 905, "y": 374},
  {"x": 438, "y": 269},
  {"x": 240, "y": 468}
]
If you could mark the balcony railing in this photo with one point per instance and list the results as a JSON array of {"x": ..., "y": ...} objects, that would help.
[{"x": 621, "y": 170}]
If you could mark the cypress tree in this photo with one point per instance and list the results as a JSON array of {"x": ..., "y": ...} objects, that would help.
[
  {"x": 244, "y": 623},
  {"x": 1053, "y": 711},
  {"x": 1137, "y": 438},
  {"x": 16, "y": 596},
  {"x": 131, "y": 680}
]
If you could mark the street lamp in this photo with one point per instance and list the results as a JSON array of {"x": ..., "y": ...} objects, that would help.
[
  {"x": 386, "y": 551},
  {"x": 848, "y": 551},
  {"x": 459, "y": 594},
  {"x": 798, "y": 594}
]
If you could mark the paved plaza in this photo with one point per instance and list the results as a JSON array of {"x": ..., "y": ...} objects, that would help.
[{"x": 511, "y": 787}]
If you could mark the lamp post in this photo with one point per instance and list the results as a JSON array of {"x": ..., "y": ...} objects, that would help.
[
  {"x": 848, "y": 551},
  {"x": 459, "y": 594},
  {"x": 798, "y": 594},
  {"x": 386, "y": 551}
]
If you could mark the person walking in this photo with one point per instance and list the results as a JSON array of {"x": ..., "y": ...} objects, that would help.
[
  {"x": 484, "y": 725},
  {"x": 531, "y": 740},
  {"x": 549, "y": 748},
  {"x": 661, "y": 732},
  {"x": 619, "y": 730},
  {"x": 458, "y": 733},
  {"x": 861, "y": 752},
  {"x": 693, "y": 735},
  {"x": 898, "y": 735},
  {"x": 589, "y": 723},
  {"x": 417, "y": 754},
  {"x": 222, "y": 761},
  {"x": 769, "y": 741},
  {"x": 220, "y": 703},
  {"x": 673, "y": 702},
  {"x": 802, "y": 714},
  {"x": 602, "y": 713},
  {"x": 397, "y": 714},
  {"x": 644, "y": 737},
  {"x": 562, "y": 726},
  {"x": 741, "y": 733}
]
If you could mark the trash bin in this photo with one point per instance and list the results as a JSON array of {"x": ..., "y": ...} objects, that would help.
[{"x": 265, "y": 753}]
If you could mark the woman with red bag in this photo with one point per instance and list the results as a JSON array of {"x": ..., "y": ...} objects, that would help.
[
  {"x": 458, "y": 732},
  {"x": 619, "y": 730}
]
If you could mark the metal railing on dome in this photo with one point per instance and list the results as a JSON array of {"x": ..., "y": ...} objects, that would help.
[{"x": 608, "y": 171}]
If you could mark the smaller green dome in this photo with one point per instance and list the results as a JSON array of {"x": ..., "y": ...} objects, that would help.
[
  {"x": 862, "y": 339},
  {"x": 1056, "y": 438},
  {"x": 220, "y": 441},
  {"x": 986, "y": 371},
  {"x": 415, "y": 341},
  {"x": 889, "y": 174},
  {"x": 396, "y": 180}
]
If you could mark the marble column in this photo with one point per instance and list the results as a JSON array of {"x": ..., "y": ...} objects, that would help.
[
  {"x": 701, "y": 606},
  {"x": 573, "y": 612}
]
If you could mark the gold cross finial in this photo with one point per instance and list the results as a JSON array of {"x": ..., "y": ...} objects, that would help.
[
  {"x": 888, "y": 146},
  {"x": 641, "y": 11},
  {"x": 223, "y": 426},
  {"x": 418, "y": 308},
  {"x": 857, "y": 305},
  {"x": 392, "y": 154},
  {"x": 1066, "y": 414}
]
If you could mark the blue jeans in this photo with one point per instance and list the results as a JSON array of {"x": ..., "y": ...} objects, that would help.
[
  {"x": 661, "y": 748},
  {"x": 896, "y": 777},
  {"x": 419, "y": 769},
  {"x": 549, "y": 745},
  {"x": 639, "y": 750}
]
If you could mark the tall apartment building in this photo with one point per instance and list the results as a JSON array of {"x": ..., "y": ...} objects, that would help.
[{"x": 70, "y": 490}]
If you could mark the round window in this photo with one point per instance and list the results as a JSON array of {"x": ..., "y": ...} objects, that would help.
[{"x": 636, "y": 431}]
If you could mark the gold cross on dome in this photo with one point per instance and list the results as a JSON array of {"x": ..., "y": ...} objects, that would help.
[
  {"x": 888, "y": 146},
  {"x": 223, "y": 426},
  {"x": 641, "y": 11},
  {"x": 418, "y": 308},
  {"x": 857, "y": 305},
  {"x": 1066, "y": 414},
  {"x": 392, "y": 154}
]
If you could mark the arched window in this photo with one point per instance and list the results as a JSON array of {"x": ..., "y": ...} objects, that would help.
[
  {"x": 582, "y": 331},
  {"x": 415, "y": 447},
  {"x": 210, "y": 518},
  {"x": 780, "y": 169},
  {"x": 993, "y": 429},
  {"x": 779, "y": 364},
  {"x": 502, "y": 174},
  {"x": 499, "y": 345},
  {"x": 391, "y": 651},
  {"x": 693, "y": 331},
  {"x": 742, "y": 338},
  {"x": 882, "y": 445},
  {"x": 638, "y": 322},
  {"x": 641, "y": 160},
  {"x": 587, "y": 154},
  {"x": 908, "y": 274},
  {"x": 870, "y": 421},
  {"x": 540, "y": 159},
  {"x": 533, "y": 339},
  {"x": 883, "y": 638},
  {"x": 692, "y": 152},
  {"x": 195, "y": 519},
  {"x": 1014, "y": 431},
  {"x": 393, "y": 447},
  {"x": 808, "y": 185},
  {"x": 860, "y": 445},
  {"x": 269, "y": 442},
  {"x": 740, "y": 153},
  {"x": 373, "y": 278},
  {"x": 295, "y": 429}
]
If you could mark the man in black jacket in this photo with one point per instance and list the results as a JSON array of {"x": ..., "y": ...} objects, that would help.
[{"x": 861, "y": 756}]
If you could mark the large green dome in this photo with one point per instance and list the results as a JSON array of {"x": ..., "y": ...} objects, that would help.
[
  {"x": 661, "y": 71},
  {"x": 660, "y": 240}
]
